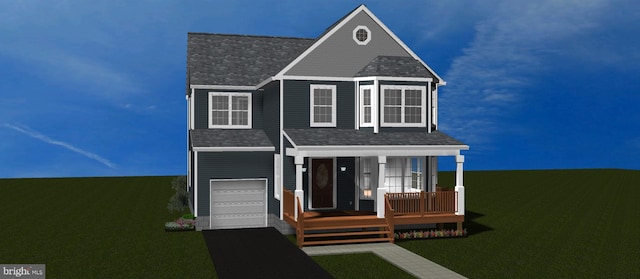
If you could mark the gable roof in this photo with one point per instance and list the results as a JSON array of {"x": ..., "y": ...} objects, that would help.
[
  {"x": 343, "y": 21},
  {"x": 395, "y": 66},
  {"x": 239, "y": 60}
]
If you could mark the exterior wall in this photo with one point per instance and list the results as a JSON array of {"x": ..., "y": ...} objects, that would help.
[
  {"x": 271, "y": 113},
  {"x": 346, "y": 184},
  {"x": 340, "y": 56},
  {"x": 234, "y": 165},
  {"x": 297, "y": 100},
  {"x": 201, "y": 108}
]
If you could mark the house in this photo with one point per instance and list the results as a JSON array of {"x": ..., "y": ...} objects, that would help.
[{"x": 282, "y": 130}]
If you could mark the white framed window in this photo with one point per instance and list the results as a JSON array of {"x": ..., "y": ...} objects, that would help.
[
  {"x": 362, "y": 35},
  {"x": 229, "y": 110},
  {"x": 403, "y": 106},
  {"x": 404, "y": 174},
  {"x": 366, "y": 179},
  {"x": 277, "y": 180},
  {"x": 367, "y": 96},
  {"x": 322, "y": 106}
]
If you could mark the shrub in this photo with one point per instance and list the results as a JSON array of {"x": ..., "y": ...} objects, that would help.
[
  {"x": 180, "y": 200},
  {"x": 189, "y": 216}
]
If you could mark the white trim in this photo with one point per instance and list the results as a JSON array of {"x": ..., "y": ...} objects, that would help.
[
  {"x": 230, "y": 96},
  {"x": 369, "y": 150},
  {"x": 264, "y": 82},
  {"x": 355, "y": 37},
  {"x": 266, "y": 196},
  {"x": 281, "y": 131},
  {"x": 344, "y": 21},
  {"x": 223, "y": 87},
  {"x": 335, "y": 184},
  {"x": 402, "y": 123},
  {"x": 234, "y": 148},
  {"x": 195, "y": 183},
  {"x": 289, "y": 139},
  {"x": 376, "y": 112},
  {"x": 334, "y": 106},
  {"x": 386, "y": 78},
  {"x": 428, "y": 108},
  {"x": 435, "y": 106},
  {"x": 277, "y": 179},
  {"x": 360, "y": 109},
  {"x": 356, "y": 101},
  {"x": 192, "y": 100},
  {"x": 317, "y": 78}
]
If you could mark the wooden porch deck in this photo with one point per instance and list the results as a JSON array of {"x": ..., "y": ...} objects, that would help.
[{"x": 338, "y": 227}]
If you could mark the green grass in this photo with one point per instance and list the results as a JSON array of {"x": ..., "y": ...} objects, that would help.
[
  {"x": 98, "y": 228},
  {"x": 544, "y": 224},
  {"x": 362, "y": 265},
  {"x": 522, "y": 224}
]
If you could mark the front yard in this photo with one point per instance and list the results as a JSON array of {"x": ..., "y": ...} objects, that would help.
[{"x": 522, "y": 224}]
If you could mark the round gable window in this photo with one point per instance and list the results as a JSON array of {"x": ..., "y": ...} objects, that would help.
[{"x": 362, "y": 35}]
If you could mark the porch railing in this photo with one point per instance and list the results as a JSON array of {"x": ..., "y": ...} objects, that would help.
[
  {"x": 288, "y": 203},
  {"x": 423, "y": 202}
]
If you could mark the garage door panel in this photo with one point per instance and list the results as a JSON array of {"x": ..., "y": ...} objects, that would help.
[{"x": 238, "y": 204}]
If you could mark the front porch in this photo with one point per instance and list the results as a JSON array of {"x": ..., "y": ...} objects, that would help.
[{"x": 341, "y": 227}]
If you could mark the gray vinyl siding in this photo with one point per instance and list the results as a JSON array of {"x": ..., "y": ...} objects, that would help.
[
  {"x": 271, "y": 113},
  {"x": 297, "y": 100},
  {"x": 234, "y": 165},
  {"x": 201, "y": 108},
  {"x": 340, "y": 56}
]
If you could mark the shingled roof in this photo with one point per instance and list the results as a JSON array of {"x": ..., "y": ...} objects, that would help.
[
  {"x": 229, "y": 138},
  {"x": 395, "y": 66},
  {"x": 240, "y": 60},
  {"x": 346, "y": 137}
]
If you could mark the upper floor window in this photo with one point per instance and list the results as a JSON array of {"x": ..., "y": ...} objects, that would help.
[
  {"x": 403, "y": 106},
  {"x": 361, "y": 35},
  {"x": 366, "y": 105},
  {"x": 323, "y": 105},
  {"x": 229, "y": 110}
]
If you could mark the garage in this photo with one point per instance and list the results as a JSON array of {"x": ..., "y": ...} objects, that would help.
[{"x": 238, "y": 203}]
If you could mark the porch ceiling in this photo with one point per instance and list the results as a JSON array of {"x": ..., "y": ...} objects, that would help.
[{"x": 347, "y": 143}]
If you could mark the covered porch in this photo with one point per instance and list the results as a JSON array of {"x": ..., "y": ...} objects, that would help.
[{"x": 394, "y": 199}]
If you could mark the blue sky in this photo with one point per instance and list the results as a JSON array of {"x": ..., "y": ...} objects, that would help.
[{"x": 96, "y": 88}]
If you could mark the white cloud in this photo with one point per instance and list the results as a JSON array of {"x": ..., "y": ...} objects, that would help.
[
  {"x": 512, "y": 43},
  {"x": 25, "y": 130}
]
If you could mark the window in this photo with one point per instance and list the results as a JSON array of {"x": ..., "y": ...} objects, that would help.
[
  {"x": 323, "y": 106},
  {"x": 403, "y": 106},
  {"x": 361, "y": 35},
  {"x": 404, "y": 174},
  {"x": 229, "y": 110},
  {"x": 366, "y": 189},
  {"x": 366, "y": 105}
]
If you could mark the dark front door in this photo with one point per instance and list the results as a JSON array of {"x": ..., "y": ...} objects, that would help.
[{"x": 322, "y": 183}]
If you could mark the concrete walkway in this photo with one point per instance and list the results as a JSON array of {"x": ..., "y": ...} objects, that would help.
[{"x": 396, "y": 255}]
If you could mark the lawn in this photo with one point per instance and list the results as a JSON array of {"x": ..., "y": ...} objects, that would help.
[
  {"x": 522, "y": 224},
  {"x": 544, "y": 224},
  {"x": 362, "y": 265},
  {"x": 97, "y": 228}
]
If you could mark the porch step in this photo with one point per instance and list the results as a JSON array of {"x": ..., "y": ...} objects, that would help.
[
  {"x": 311, "y": 227},
  {"x": 356, "y": 233},
  {"x": 346, "y": 241}
]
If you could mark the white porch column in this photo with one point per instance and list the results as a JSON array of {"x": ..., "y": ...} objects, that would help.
[
  {"x": 299, "y": 193},
  {"x": 382, "y": 189},
  {"x": 459, "y": 185}
]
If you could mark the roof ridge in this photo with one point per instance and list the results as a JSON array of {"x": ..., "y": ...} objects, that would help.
[{"x": 245, "y": 35}]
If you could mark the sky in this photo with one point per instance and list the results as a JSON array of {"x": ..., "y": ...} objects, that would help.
[{"x": 96, "y": 88}]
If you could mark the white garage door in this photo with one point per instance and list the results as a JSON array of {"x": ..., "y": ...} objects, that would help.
[{"x": 238, "y": 204}]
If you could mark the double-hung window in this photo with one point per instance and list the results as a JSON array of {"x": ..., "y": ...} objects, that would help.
[
  {"x": 229, "y": 110},
  {"x": 405, "y": 174},
  {"x": 403, "y": 106},
  {"x": 366, "y": 105},
  {"x": 323, "y": 105}
]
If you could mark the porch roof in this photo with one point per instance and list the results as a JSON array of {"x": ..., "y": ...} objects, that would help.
[
  {"x": 230, "y": 140},
  {"x": 348, "y": 142}
]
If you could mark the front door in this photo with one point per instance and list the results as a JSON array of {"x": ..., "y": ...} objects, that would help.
[{"x": 322, "y": 183}]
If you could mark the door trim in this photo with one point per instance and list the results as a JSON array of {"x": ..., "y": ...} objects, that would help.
[{"x": 335, "y": 184}]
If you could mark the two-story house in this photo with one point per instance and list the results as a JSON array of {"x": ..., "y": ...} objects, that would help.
[{"x": 282, "y": 130}]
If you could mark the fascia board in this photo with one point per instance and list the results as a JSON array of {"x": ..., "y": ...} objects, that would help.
[
  {"x": 234, "y": 149},
  {"x": 223, "y": 87}
]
